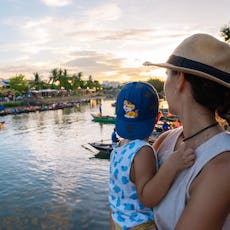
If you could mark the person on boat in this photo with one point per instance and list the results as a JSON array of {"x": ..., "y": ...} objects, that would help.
[
  {"x": 115, "y": 139},
  {"x": 100, "y": 110},
  {"x": 197, "y": 89},
  {"x": 176, "y": 124},
  {"x": 135, "y": 187},
  {"x": 165, "y": 126}
]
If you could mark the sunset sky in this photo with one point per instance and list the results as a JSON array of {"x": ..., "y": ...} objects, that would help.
[{"x": 106, "y": 39}]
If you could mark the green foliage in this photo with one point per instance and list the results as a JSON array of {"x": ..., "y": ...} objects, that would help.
[
  {"x": 18, "y": 83},
  {"x": 97, "y": 85},
  {"x": 77, "y": 81},
  {"x": 225, "y": 33},
  {"x": 158, "y": 85},
  {"x": 59, "y": 79},
  {"x": 13, "y": 104},
  {"x": 89, "y": 83},
  {"x": 37, "y": 83}
]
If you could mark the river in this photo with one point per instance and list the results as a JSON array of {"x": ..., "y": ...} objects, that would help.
[{"x": 49, "y": 179}]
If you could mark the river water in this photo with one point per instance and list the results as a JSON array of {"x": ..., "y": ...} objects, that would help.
[{"x": 49, "y": 179}]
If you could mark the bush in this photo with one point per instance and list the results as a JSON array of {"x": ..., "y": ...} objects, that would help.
[{"x": 13, "y": 104}]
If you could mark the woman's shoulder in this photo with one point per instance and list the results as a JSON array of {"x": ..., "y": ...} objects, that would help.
[
  {"x": 214, "y": 175},
  {"x": 209, "y": 193},
  {"x": 166, "y": 134},
  {"x": 219, "y": 165}
]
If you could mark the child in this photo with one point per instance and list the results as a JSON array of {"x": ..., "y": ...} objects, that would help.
[{"x": 135, "y": 187}]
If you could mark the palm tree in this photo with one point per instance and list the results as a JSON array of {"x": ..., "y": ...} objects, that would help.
[
  {"x": 89, "y": 83},
  {"x": 54, "y": 77},
  {"x": 225, "y": 33},
  {"x": 97, "y": 85},
  {"x": 76, "y": 80},
  {"x": 37, "y": 81},
  {"x": 64, "y": 79}
]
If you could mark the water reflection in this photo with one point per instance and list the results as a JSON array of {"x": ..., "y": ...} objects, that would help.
[{"x": 48, "y": 180}]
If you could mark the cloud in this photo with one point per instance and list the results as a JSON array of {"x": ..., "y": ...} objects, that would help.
[
  {"x": 107, "y": 12},
  {"x": 103, "y": 40},
  {"x": 57, "y": 3},
  {"x": 92, "y": 61},
  {"x": 104, "y": 67}
]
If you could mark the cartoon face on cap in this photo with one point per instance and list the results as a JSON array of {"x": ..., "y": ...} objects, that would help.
[{"x": 130, "y": 111}]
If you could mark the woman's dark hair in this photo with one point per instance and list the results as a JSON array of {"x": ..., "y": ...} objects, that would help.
[{"x": 210, "y": 94}]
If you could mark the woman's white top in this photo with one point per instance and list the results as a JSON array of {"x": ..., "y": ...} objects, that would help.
[{"x": 168, "y": 212}]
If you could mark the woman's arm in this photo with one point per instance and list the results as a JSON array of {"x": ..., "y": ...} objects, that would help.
[{"x": 209, "y": 202}]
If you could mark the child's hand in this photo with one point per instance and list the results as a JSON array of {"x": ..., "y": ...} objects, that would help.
[{"x": 182, "y": 158}]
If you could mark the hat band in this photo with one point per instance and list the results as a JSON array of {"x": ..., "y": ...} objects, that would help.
[{"x": 190, "y": 64}]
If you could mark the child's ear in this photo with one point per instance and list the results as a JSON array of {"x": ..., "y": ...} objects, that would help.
[{"x": 158, "y": 117}]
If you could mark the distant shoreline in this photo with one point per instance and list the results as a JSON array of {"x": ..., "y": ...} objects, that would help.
[
  {"x": 49, "y": 103},
  {"x": 51, "y": 100}
]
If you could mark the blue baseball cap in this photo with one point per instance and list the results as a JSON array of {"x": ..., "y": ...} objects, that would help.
[{"x": 136, "y": 110}]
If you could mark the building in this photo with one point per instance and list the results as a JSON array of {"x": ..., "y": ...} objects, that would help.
[
  {"x": 110, "y": 84},
  {"x": 4, "y": 83}
]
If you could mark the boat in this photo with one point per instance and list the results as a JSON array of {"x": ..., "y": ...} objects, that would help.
[
  {"x": 104, "y": 150},
  {"x": 103, "y": 119},
  {"x": 102, "y": 146},
  {"x": 107, "y": 147}
]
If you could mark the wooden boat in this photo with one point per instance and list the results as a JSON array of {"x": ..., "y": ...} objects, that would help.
[
  {"x": 107, "y": 147},
  {"x": 102, "y": 146},
  {"x": 104, "y": 150},
  {"x": 103, "y": 119}
]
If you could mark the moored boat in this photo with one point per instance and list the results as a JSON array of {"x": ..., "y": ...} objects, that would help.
[
  {"x": 102, "y": 146},
  {"x": 103, "y": 119}
]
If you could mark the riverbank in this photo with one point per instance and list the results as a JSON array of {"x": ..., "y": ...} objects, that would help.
[
  {"x": 64, "y": 99},
  {"x": 43, "y": 104}
]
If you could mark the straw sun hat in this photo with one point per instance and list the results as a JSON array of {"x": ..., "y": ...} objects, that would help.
[{"x": 201, "y": 55}]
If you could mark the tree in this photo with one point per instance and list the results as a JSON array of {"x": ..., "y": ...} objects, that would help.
[
  {"x": 97, "y": 85},
  {"x": 225, "y": 33},
  {"x": 64, "y": 79},
  {"x": 158, "y": 85},
  {"x": 18, "y": 83},
  {"x": 54, "y": 77},
  {"x": 76, "y": 80},
  {"x": 89, "y": 82},
  {"x": 37, "y": 83}
]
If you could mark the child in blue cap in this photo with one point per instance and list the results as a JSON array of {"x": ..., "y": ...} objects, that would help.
[{"x": 135, "y": 185}]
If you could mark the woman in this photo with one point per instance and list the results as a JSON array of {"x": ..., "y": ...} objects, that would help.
[{"x": 197, "y": 88}]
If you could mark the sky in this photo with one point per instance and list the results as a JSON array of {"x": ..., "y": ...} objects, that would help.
[{"x": 108, "y": 40}]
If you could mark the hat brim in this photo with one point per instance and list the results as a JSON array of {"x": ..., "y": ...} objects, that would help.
[
  {"x": 186, "y": 70},
  {"x": 135, "y": 130}
]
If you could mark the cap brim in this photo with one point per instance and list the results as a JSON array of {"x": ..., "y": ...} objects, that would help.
[
  {"x": 135, "y": 130},
  {"x": 186, "y": 70}
]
